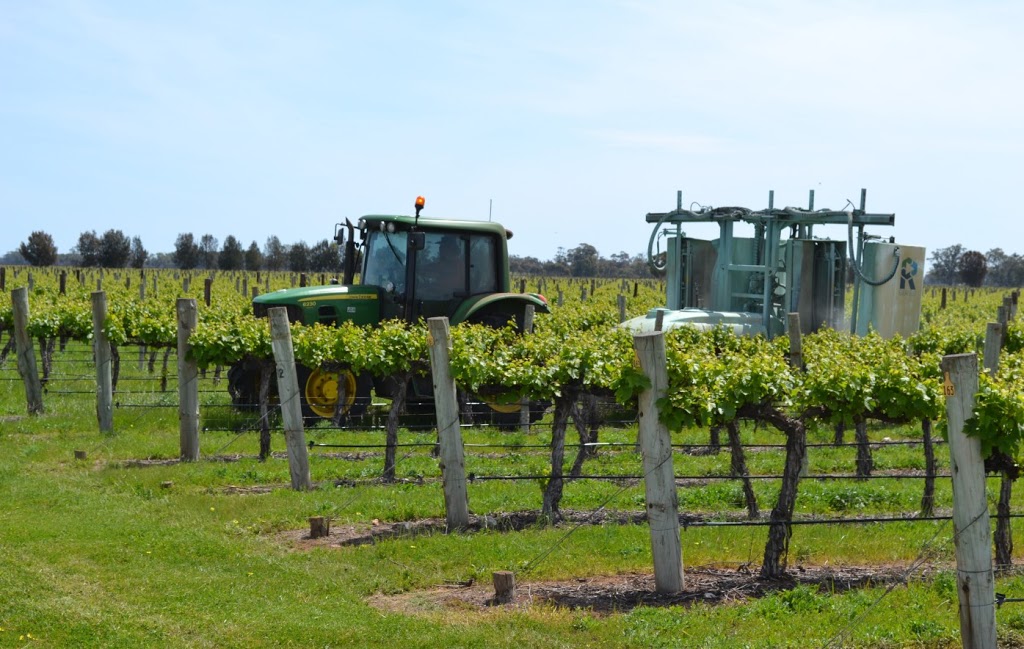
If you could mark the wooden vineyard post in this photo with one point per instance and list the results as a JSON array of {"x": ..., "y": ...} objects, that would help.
[
  {"x": 452, "y": 460},
  {"x": 993, "y": 344},
  {"x": 1003, "y": 536},
  {"x": 188, "y": 381},
  {"x": 659, "y": 478},
  {"x": 26, "y": 354},
  {"x": 622, "y": 307},
  {"x": 207, "y": 289},
  {"x": 971, "y": 533},
  {"x": 319, "y": 527},
  {"x": 796, "y": 361},
  {"x": 504, "y": 586},
  {"x": 142, "y": 298},
  {"x": 291, "y": 407},
  {"x": 524, "y": 404},
  {"x": 104, "y": 364}
]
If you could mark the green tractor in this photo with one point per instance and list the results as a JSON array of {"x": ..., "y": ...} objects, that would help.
[{"x": 412, "y": 268}]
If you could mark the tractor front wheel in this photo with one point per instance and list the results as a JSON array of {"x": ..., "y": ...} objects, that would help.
[{"x": 321, "y": 389}]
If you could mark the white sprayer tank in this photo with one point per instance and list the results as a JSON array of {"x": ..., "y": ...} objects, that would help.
[{"x": 895, "y": 306}]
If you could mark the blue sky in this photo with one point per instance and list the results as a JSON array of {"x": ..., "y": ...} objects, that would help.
[{"x": 269, "y": 118}]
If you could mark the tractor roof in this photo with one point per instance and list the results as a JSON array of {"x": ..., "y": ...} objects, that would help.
[{"x": 483, "y": 227}]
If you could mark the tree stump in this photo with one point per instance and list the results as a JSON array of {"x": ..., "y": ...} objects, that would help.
[
  {"x": 81, "y": 455},
  {"x": 319, "y": 527}
]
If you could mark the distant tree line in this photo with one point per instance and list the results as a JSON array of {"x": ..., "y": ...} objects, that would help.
[
  {"x": 954, "y": 265},
  {"x": 582, "y": 261},
  {"x": 113, "y": 249}
]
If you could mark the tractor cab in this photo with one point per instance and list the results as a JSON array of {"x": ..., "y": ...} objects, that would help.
[
  {"x": 430, "y": 270},
  {"x": 412, "y": 268}
]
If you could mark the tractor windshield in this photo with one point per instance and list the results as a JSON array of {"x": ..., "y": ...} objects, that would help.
[{"x": 385, "y": 260}]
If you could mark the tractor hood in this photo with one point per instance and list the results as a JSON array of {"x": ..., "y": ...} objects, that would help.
[{"x": 328, "y": 305}]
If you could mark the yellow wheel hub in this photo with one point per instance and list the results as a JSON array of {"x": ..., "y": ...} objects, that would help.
[
  {"x": 504, "y": 408},
  {"x": 323, "y": 389}
]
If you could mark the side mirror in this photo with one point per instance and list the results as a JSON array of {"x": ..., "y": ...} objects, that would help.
[
  {"x": 417, "y": 241},
  {"x": 339, "y": 234}
]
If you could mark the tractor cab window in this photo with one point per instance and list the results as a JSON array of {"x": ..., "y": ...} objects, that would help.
[
  {"x": 483, "y": 277},
  {"x": 441, "y": 267},
  {"x": 385, "y": 260},
  {"x": 454, "y": 265}
]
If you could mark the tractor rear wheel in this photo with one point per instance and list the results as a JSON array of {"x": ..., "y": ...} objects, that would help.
[
  {"x": 506, "y": 416},
  {"x": 320, "y": 390}
]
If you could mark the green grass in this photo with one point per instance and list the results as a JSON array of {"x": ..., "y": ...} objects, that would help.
[{"x": 99, "y": 553}]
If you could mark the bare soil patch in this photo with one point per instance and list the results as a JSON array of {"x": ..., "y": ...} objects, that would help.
[
  {"x": 374, "y": 531},
  {"x": 600, "y": 595},
  {"x": 621, "y": 593}
]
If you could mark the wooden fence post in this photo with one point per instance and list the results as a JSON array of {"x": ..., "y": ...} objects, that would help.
[
  {"x": 104, "y": 364},
  {"x": 504, "y": 586},
  {"x": 452, "y": 460},
  {"x": 1003, "y": 536},
  {"x": 26, "y": 354},
  {"x": 319, "y": 527},
  {"x": 993, "y": 343},
  {"x": 188, "y": 381},
  {"x": 291, "y": 407},
  {"x": 659, "y": 478},
  {"x": 524, "y": 404},
  {"x": 796, "y": 360},
  {"x": 142, "y": 298},
  {"x": 971, "y": 533},
  {"x": 795, "y": 342}
]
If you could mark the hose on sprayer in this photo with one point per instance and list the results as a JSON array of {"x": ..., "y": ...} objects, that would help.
[{"x": 854, "y": 254}]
